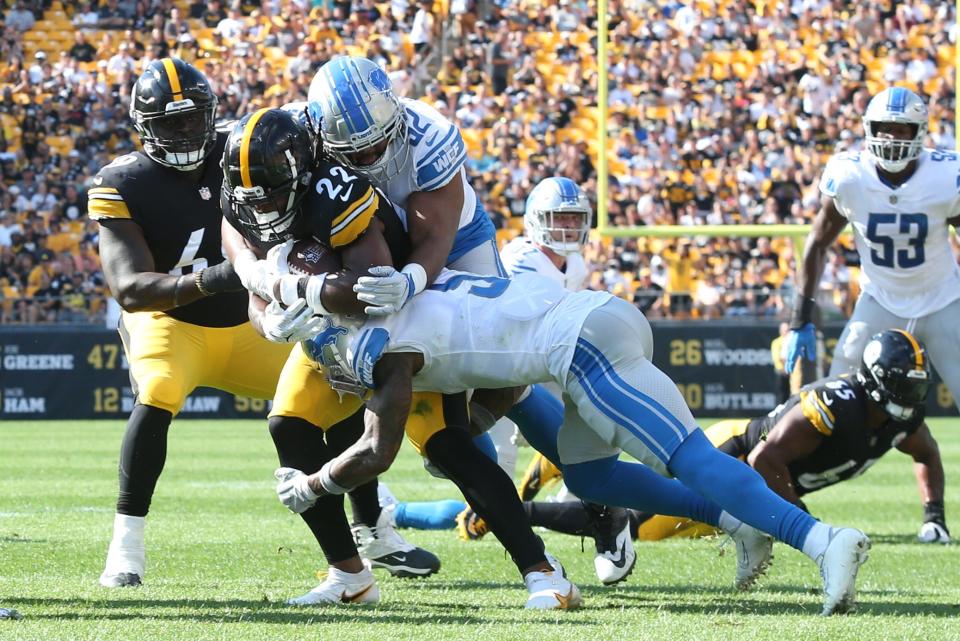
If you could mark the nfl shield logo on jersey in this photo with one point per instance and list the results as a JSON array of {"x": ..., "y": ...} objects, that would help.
[{"x": 205, "y": 193}]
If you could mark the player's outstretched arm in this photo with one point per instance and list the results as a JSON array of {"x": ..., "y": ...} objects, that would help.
[
  {"x": 131, "y": 273},
  {"x": 928, "y": 469},
  {"x": 792, "y": 438},
  {"x": 802, "y": 341},
  {"x": 384, "y": 422}
]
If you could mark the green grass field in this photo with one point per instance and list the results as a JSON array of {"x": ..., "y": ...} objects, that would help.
[{"x": 223, "y": 554}]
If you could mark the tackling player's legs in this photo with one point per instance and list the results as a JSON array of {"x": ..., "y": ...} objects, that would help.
[{"x": 621, "y": 401}]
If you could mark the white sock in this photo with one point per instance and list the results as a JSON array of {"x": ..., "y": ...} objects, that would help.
[
  {"x": 817, "y": 540},
  {"x": 350, "y": 577},
  {"x": 727, "y": 522},
  {"x": 128, "y": 530}
]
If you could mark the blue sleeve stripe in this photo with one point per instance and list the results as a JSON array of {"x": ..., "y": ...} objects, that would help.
[
  {"x": 522, "y": 268},
  {"x": 437, "y": 147},
  {"x": 447, "y": 176}
]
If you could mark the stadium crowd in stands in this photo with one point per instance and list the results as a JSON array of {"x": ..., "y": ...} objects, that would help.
[{"x": 721, "y": 113}]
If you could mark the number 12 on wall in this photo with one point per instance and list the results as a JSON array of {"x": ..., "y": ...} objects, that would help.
[{"x": 881, "y": 229}]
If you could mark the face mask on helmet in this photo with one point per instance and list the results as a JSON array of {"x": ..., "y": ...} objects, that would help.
[
  {"x": 268, "y": 215},
  {"x": 181, "y": 140},
  {"x": 893, "y": 144},
  {"x": 380, "y": 161},
  {"x": 563, "y": 231}
]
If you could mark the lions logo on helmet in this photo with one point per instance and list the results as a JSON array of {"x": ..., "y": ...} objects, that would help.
[
  {"x": 266, "y": 173},
  {"x": 174, "y": 111},
  {"x": 895, "y": 105},
  {"x": 558, "y": 215},
  {"x": 895, "y": 373},
  {"x": 362, "y": 124}
]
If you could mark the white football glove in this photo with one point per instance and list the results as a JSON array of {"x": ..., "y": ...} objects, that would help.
[
  {"x": 387, "y": 290},
  {"x": 254, "y": 274},
  {"x": 291, "y": 325},
  {"x": 931, "y": 532},
  {"x": 277, "y": 257},
  {"x": 293, "y": 490}
]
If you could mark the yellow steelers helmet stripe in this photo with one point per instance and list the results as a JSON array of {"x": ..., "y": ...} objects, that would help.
[
  {"x": 351, "y": 229},
  {"x": 917, "y": 352},
  {"x": 245, "y": 147},
  {"x": 173, "y": 78}
]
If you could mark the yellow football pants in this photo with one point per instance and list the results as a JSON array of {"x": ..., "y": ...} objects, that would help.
[
  {"x": 170, "y": 358},
  {"x": 303, "y": 392}
]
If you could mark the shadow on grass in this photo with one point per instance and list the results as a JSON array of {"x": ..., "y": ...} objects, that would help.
[
  {"x": 898, "y": 539},
  {"x": 406, "y": 612}
]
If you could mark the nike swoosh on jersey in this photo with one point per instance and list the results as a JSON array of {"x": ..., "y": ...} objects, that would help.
[{"x": 433, "y": 137}]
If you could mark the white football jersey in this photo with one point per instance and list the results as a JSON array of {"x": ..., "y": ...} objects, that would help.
[
  {"x": 437, "y": 154},
  {"x": 901, "y": 233},
  {"x": 520, "y": 256},
  {"x": 477, "y": 332}
]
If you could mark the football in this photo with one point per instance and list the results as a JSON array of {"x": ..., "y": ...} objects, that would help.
[{"x": 308, "y": 257}]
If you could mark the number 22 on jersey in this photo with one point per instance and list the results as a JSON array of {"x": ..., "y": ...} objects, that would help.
[{"x": 882, "y": 228}]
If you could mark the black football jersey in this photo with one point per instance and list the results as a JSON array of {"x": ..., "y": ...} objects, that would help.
[
  {"x": 180, "y": 219},
  {"x": 837, "y": 408},
  {"x": 341, "y": 206}
]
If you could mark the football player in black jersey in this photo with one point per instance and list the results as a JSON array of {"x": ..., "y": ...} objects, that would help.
[
  {"x": 831, "y": 431},
  {"x": 185, "y": 321},
  {"x": 271, "y": 194}
]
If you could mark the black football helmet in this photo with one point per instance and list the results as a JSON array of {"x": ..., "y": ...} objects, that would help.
[
  {"x": 174, "y": 111},
  {"x": 266, "y": 173},
  {"x": 895, "y": 372}
]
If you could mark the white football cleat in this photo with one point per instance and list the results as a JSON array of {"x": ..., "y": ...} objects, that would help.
[
  {"x": 124, "y": 567},
  {"x": 754, "y": 554},
  {"x": 551, "y": 590},
  {"x": 615, "y": 556},
  {"x": 383, "y": 547},
  {"x": 846, "y": 551},
  {"x": 342, "y": 588}
]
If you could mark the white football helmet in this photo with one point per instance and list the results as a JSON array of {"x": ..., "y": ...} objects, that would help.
[
  {"x": 895, "y": 104},
  {"x": 553, "y": 196},
  {"x": 358, "y": 111}
]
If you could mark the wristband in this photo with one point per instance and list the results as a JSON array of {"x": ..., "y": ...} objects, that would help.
[
  {"x": 418, "y": 275},
  {"x": 176, "y": 291},
  {"x": 328, "y": 483},
  {"x": 312, "y": 291},
  {"x": 803, "y": 307},
  {"x": 198, "y": 281}
]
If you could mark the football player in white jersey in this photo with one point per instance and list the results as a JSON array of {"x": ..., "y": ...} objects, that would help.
[
  {"x": 557, "y": 221},
  {"x": 900, "y": 199},
  {"x": 595, "y": 347},
  {"x": 405, "y": 147}
]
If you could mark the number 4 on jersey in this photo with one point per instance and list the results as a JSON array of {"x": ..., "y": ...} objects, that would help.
[{"x": 189, "y": 256}]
